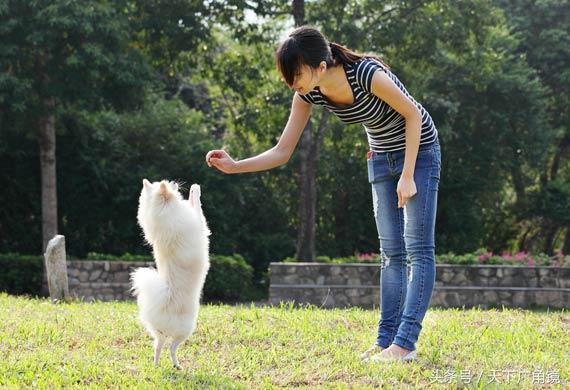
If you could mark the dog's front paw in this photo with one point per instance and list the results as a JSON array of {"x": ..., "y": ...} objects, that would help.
[{"x": 194, "y": 196}]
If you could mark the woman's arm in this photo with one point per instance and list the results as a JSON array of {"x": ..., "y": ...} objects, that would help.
[
  {"x": 274, "y": 157},
  {"x": 388, "y": 91}
]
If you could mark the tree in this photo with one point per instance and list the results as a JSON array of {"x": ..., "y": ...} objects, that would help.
[
  {"x": 309, "y": 146},
  {"x": 459, "y": 60},
  {"x": 545, "y": 45},
  {"x": 56, "y": 55}
]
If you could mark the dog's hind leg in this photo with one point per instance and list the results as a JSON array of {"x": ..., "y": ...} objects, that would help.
[
  {"x": 175, "y": 343},
  {"x": 158, "y": 344}
]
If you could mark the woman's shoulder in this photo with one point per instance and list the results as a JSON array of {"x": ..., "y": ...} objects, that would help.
[
  {"x": 364, "y": 70},
  {"x": 368, "y": 63}
]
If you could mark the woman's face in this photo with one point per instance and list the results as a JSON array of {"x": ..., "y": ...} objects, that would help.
[{"x": 307, "y": 79}]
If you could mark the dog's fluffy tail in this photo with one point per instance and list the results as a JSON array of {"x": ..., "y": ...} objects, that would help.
[{"x": 151, "y": 291}]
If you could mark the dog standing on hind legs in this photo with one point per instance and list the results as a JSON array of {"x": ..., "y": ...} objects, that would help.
[{"x": 168, "y": 297}]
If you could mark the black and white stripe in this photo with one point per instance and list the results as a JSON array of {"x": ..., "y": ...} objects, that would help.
[{"x": 385, "y": 127}]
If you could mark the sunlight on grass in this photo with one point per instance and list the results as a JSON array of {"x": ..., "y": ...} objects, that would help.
[{"x": 102, "y": 344}]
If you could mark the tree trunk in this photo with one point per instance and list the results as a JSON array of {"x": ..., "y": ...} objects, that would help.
[
  {"x": 298, "y": 12},
  {"x": 307, "y": 188},
  {"x": 561, "y": 148},
  {"x": 566, "y": 246},
  {"x": 307, "y": 200},
  {"x": 46, "y": 139},
  {"x": 49, "y": 189},
  {"x": 548, "y": 227},
  {"x": 550, "y": 231},
  {"x": 309, "y": 156},
  {"x": 523, "y": 240},
  {"x": 518, "y": 184}
]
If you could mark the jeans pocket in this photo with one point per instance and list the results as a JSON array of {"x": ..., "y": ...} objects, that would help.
[
  {"x": 437, "y": 153},
  {"x": 436, "y": 170},
  {"x": 370, "y": 163}
]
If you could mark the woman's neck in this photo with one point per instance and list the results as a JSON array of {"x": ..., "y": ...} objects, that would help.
[{"x": 332, "y": 79}]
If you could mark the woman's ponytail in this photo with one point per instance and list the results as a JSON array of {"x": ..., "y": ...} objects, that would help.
[{"x": 343, "y": 55}]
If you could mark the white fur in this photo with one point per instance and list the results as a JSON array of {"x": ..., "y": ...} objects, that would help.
[{"x": 168, "y": 297}]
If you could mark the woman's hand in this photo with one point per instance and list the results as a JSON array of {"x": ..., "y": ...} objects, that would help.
[
  {"x": 406, "y": 189},
  {"x": 221, "y": 160}
]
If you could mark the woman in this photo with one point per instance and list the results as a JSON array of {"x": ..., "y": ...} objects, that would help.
[{"x": 403, "y": 168}]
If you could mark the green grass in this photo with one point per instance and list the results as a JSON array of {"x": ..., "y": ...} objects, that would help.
[{"x": 102, "y": 345}]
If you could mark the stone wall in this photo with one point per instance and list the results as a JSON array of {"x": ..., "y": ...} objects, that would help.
[
  {"x": 101, "y": 280},
  {"x": 344, "y": 285}
]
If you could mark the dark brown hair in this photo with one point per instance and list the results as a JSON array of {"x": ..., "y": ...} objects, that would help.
[{"x": 307, "y": 46}]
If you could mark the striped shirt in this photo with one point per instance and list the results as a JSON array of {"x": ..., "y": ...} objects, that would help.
[{"x": 385, "y": 127}]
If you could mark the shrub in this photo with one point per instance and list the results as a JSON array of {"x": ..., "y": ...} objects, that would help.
[
  {"x": 125, "y": 257},
  {"x": 230, "y": 279},
  {"x": 481, "y": 256},
  {"x": 21, "y": 274}
]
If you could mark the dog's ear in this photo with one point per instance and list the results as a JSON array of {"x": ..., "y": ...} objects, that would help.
[
  {"x": 146, "y": 184},
  {"x": 163, "y": 191}
]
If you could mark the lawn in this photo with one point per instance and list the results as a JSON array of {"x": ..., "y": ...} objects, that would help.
[{"x": 103, "y": 345}]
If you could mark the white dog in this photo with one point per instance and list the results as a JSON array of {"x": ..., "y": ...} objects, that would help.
[{"x": 169, "y": 296}]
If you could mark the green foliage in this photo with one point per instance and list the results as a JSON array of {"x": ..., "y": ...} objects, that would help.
[
  {"x": 544, "y": 43},
  {"x": 21, "y": 274},
  {"x": 229, "y": 279},
  {"x": 551, "y": 201},
  {"x": 248, "y": 112},
  {"x": 461, "y": 61},
  {"x": 164, "y": 29},
  {"x": 484, "y": 257},
  {"x": 542, "y": 26},
  {"x": 493, "y": 75},
  {"x": 481, "y": 257},
  {"x": 78, "y": 52},
  {"x": 107, "y": 154},
  {"x": 345, "y": 220},
  {"x": 20, "y": 217},
  {"x": 125, "y": 257}
]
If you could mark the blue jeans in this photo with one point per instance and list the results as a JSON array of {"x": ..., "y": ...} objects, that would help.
[{"x": 404, "y": 234}]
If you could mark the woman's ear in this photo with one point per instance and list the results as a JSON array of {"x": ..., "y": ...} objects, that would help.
[{"x": 323, "y": 66}]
